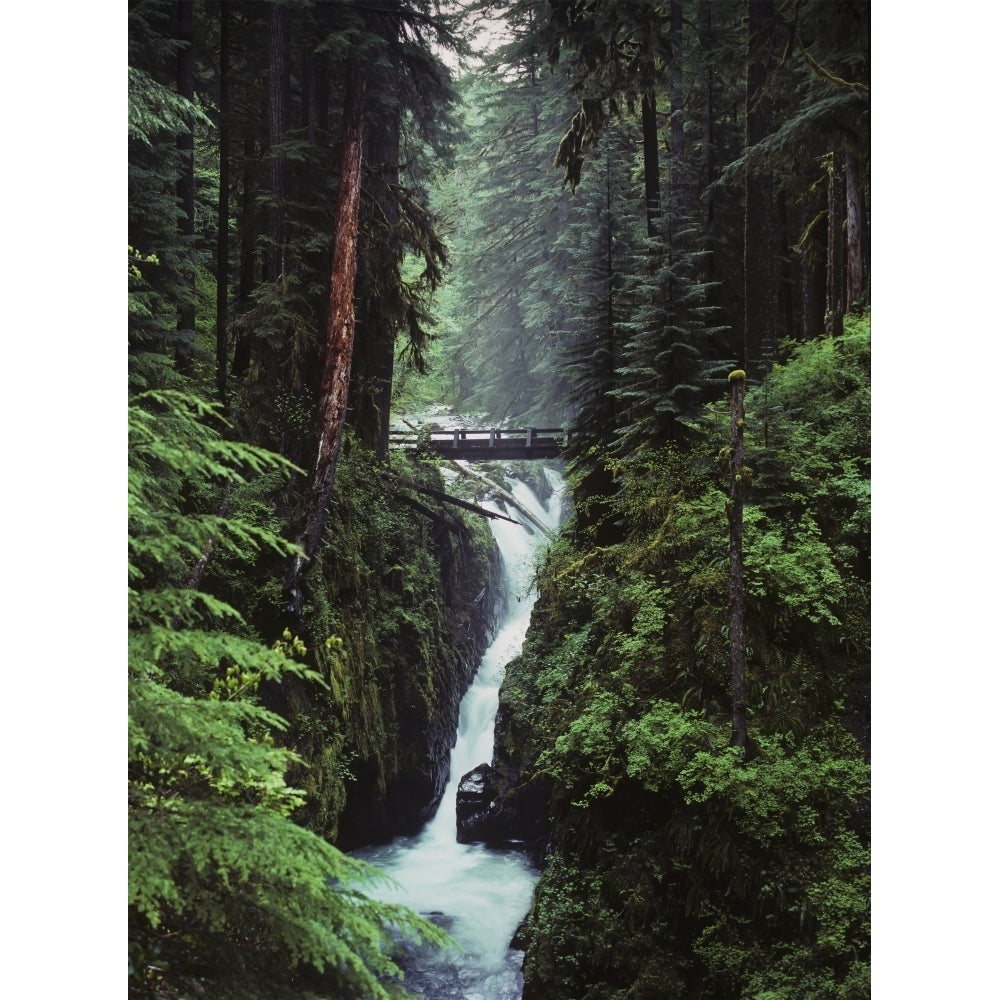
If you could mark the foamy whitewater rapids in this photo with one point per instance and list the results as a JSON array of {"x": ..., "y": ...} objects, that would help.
[{"x": 479, "y": 894}]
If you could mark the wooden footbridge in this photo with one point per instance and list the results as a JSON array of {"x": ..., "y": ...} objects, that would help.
[{"x": 492, "y": 445}]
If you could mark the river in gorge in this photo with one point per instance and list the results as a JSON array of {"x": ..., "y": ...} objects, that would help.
[{"x": 478, "y": 894}]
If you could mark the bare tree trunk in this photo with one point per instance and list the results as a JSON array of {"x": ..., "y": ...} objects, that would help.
[
  {"x": 243, "y": 348},
  {"x": 340, "y": 323},
  {"x": 379, "y": 313},
  {"x": 678, "y": 204},
  {"x": 705, "y": 45},
  {"x": 737, "y": 647},
  {"x": 758, "y": 237},
  {"x": 813, "y": 271},
  {"x": 650, "y": 162},
  {"x": 835, "y": 254},
  {"x": 185, "y": 180},
  {"x": 707, "y": 172},
  {"x": 222, "y": 246},
  {"x": 277, "y": 125},
  {"x": 857, "y": 233},
  {"x": 786, "y": 266}
]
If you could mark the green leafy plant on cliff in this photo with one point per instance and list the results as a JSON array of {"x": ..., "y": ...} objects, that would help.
[
  {"x": 226, "y": 894},
  {"x": 745, "y": 872}
]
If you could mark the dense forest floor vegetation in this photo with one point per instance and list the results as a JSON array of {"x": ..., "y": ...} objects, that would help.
[{"x": 731, "y": 872}]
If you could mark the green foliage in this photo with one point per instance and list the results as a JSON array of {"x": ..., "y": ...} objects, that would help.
[
  {"x": 223, "y": 887},
  {"x": 795, "y": 562},
  {"x": 748, "y": 868}
]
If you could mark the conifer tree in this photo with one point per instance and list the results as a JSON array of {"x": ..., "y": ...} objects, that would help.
[
  {"x": 163, "y": 258},
  {"x": 510, "y": 255},
  {"x": 402, "y": 253},
  {"x": 226, "y": 894}
]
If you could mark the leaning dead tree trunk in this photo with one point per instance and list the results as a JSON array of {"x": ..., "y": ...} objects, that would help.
[
  {"x": 339, "y": 327},
  {"x": 737, "y": 647}
]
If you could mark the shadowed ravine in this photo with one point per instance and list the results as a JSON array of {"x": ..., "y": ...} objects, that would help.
[{"x": 479, "y": 894}]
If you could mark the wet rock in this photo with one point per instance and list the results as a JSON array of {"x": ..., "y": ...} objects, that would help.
[
  {"x": 472, "y": 804},
  {"x": 491, "y": 808}
]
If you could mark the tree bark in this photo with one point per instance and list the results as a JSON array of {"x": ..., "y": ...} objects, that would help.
[
  {"x": 836, "y": 250},
  {"x": 678, "y": 181},
  {"x": 380, "y": 308},
  {"x": 708, "y": 169},
  {"x": 758, "y": 237},
  {"x": 185, "y": 180},
  {"x": 650, "y": 161},
  {"x": 222, "y": 244},
  {"x": 277, "y": 125},
  {"x": 243, "y": 349},
  {"x": 813, "y": 248},
  {"x": 857, "y": 236},
  {"x": 340, "y": 323},
  {"x": 737, "y": 647}
]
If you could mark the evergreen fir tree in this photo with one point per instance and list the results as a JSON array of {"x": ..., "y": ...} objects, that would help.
[{"x": 226, "y": 894}]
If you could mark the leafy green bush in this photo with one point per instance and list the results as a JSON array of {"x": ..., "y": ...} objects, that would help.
[{"x": 745, "y": 873}]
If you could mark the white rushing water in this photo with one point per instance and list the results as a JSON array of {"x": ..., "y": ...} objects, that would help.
[{"x": 479, "y": 894}]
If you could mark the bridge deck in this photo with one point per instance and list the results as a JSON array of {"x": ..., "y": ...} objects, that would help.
[{"x": 493, "y": 445}]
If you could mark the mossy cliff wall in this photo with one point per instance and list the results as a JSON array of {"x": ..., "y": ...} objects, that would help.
[
  {"x": 400, "y": 608},
  {"x": 676, "y": 865}
]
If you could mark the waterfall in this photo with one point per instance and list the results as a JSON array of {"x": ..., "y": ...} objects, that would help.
[{"x": 478, "y": 894}]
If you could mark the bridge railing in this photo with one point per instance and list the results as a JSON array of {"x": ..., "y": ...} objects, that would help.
[{"x": 463, "y": 439}]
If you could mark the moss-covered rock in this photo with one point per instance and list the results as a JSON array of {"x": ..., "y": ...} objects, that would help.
[{"x": 399, "y": 611}]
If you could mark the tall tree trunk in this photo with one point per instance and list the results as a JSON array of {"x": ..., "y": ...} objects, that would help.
[
  {"x": 707, "y": 170},
  {"x": 836, "y": 252},
  {"x": 381, "y": 357},
  {"x": 380, "y": 296},
  {"x": 185, "y": 180},
  {"x": 857, "y": 236},
  {"x": 758, "y": 237},
  {"x": 339, "y": 325},
  {"x": 678, "y": 181},
  {"x": 787, "y": 270},
  {"x": 317, "y": 112},
  {"x": 813, "y": 274},
  {"x": 737, "y": 646},
  {"x": 277, "y": 126},
  {"x": 222, "y": 244},
  {"x": 243, "y": 349},
  {"x": 650, "y": 161},
  {"x": 610, "y": 272}
]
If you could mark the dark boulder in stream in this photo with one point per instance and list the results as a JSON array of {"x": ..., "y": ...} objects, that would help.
[
  {"x": 472, "y": 805},
  {"x": 492, "y": 809}
]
